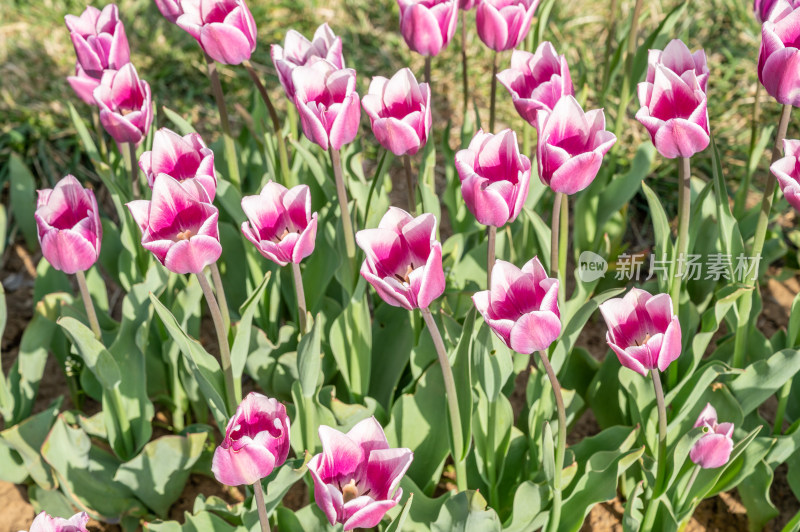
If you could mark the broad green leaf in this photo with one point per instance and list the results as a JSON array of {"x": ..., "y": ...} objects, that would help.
[
  {"x": 307, "y": 518},
  {"x": 183, "y": 126},
  {"x": 632, "y": 518},
  {"x": 466, "y": 512},
  {"x": 22, "y": 199},
  {"x": 399, "y": 521},
  {"x": 755, "y": 497},
  {"x": 351, "y": 343},
  {"x": 96, "y": 357},
  {"x": 27, "y": 437},
  {"x": 730, "y": 238},
  {"x": 529, "y": 503},
  {"x": 309, "y": 362},
  {"x": 241, "y": 342},
  {"x": 764, "y": 377},
  {"x": 492, "y": 362},
  {"x": 661, "y": 229},
  {"x": 463, "y": 384},
  {"x": 392, "y": 341}
]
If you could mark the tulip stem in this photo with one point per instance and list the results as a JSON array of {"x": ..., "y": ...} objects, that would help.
[
  {"x": 464, "y": 69},
  {"x": 452, "y": 400},
  {"x": 493, "y": 93},
  {"x": 741, "y": 194},
  {"x": 223, "y": 301},
  {"x": 552, "y": 525},
  {"x": 555, "y": 224},
  {"x": 563, "y": 237},
  {"x": 301, "y": 297},
  {"x": 652, "y": 506},
  {"x": 490, "y": 254},
  {"x": 412, "y": 189},
  {"x": 682, "y": 248},
  {"x": 222, "y": 338},
  {"x": 428, "y": 70},
  {"x": 132, "y": 162},
  {"x": 780, "y": 413},
  {"x": 101, "y": 140},
  {"x": 87, "y": 302},
  {"x": 341, "y": 192},
  {"x": 262, "y": 508},
  {"x": 230, "y": 147}
]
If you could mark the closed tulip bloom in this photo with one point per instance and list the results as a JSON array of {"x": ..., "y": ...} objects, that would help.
[
  {"x": 298, "y": 51},
  {"x": 225, "y": 29},
  {"x": 642, "y": 330},
  {"x": 522, "y": 306},
  {"x": 713, "y": 449},
  {"x": 186, "y": 159},
  {"x": 280, "y": 223},
  {"x": 673, "y": 100},
  {"x": 428, "y": 25},
  {"x": 503, "y": 24},
  {"x": 126, "y": 110},
  {"x": 256, "y": 442},
  {"x": 494, "y": 177},
  {"x": 171, "y": 9},
  {"x": 328, "y": 103},
  {"x": 45, "y": 523},
  {"x": 787, "y": 170},
  {"x": 399, "y": 111},
  {"x": 779, "y": 60},
  {"x": 177, "y": 228},
  {"x": 356, "y": 476},
  {"x": 536, "y": 81},
  {"x": 571, "y": 145},
  {"x": 403, "y": 259},
  {"x": 68, "y": 224}
]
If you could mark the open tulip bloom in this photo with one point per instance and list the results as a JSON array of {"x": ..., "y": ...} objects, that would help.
[
  {"x": 298, "y": 51},
  {"x": 779, "y": 60},
  {"x": 428, "y": 25},
  {"x": 186, "y": 159},
  {"x": 126, "y": 110},
  {"x": 225, "y": 29},
  {"x": 45, "y": 523},
  {"x": 714, "y": 447},
  {"x": 787, "y": 171},
  {"x": 170, "y": 9},
  {"x": 503, "y": 24}
]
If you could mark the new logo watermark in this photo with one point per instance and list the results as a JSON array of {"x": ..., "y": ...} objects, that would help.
[{"x": 591, "y": 267}]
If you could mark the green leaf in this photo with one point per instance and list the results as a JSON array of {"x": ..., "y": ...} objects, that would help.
[
  {"x": 351, "y": 343},
  {"x": 632, "y": 517},
  {"x": 183, "y": 126},
  {"x": 755, "y": 497},
  {"x": 463, "y": 384},
  {"x": 492, "y": 362},
  {"x": 241, "y": 343},
  {"x": 466, "y": 512},
  {"x": 661, "y": 230},
  {"x": 392, "y": 339},
  {"x": 399, "y": 521},
  {"x": 22, "y": 199},
  {"x": 529, "y": 501},
  {"x": 730, "y": 238},
  {"x": 94, "y": 354},
  {"x": 548, "y": 453},
  {"x": 309, "y": 359},
  {"x": 280, "y": 482},
  {"x": 26, "y": 439},
  {"x": 763, "y": 378},
  {"x": 307, "y": 518}
]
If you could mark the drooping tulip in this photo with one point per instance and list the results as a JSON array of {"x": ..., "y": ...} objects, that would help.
[
  {"x": 126, "y": 110},
  {"x": 536, "y": 81},
  {"x": 399, "y": 111},
  {"x": 503, "y": 24},
  {"x": 357, "y": 474},
  {"x": 170, "y": 9},
  {"x": 787, "y": 170},
  {"x": 186, "y": 159},
  {"x": 280, "y": 223},
  {"x": 179, "y": 230},
  {"x": 642, "y": 330},
  {"x": 428, "y": 25},
  {"x": 68, "y": 224},
  {"x": 45, "y": 523},
  {"x": 779, "y": 60},
  {"x": 713, "y": 449},
  {"x": 256, "y": 442},
  {"x": 298, "y": 51},
  {"x": 225, "y": 29},
  {"x": 494, "y": 177},
  {"x": 403, "y": 259},
  {"x": 571, "y": 145},
  {"x": 328, "y": 103},
  {"x": 673, "y": 100}
]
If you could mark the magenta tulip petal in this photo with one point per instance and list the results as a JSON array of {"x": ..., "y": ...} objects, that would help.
[
  {"x": 535, "y": 331},
  {"x": 711, "y": 451},
  {"x": 708, "y": 416},
  {"x": 45, "y": 523},
  {"x": 427, "y": 25},
  {"x": 370, "y": 515}
]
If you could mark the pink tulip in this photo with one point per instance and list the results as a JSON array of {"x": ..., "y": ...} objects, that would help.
[
  {"x": 281, "y": 224},
  {"x": 503, "y": 24},
  {"x": 779, "y": 60},
  {"x": 713, "y": 449},
  {"x": 357, "y": 474},
  {"x": 494, "y": 177},
  {"x": 177, "y": 228},
  {"x": 763, "y": 8},
  {"x": 185, "y": 159},
  {"x": 428, "y": 25},
  {"x": 170, "y": 9},
  {"x": 642, "y": 330},
  {"x": 787, "y": 170},
  {"x": 126, "y": 110},
  {"x": 399, "y": 111},
  {"x": 536, "y": 81},
  {"x": 571, "y": 145},
  {"x": 298, "y": 51},
  {"x": 404, "y": 259},
  {"x": 522, "y": 306},
  {"x": 68, "y": 223},
  {"x": 225, "y": 29},
  {"x": 256, "y": 442},
  {"x": 673, "y": 100},
  {"x": 45, "y": 523},
  {"x": 327, "y": 102}
]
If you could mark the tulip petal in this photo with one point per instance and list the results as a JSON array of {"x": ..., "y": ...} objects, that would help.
[{"x": 535, "y": 331}]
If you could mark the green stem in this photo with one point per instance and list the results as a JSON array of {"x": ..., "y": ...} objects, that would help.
[
  {"x": 682, "y": 247},
  {"x": 262, "y": 509},
  {"x": 652, "y": 505},
  {"x": 230, "y": 147},
  {"x": 741, "y": 194},
  {"x": 783, "y": 399},
  {"x": 490, "y": 254},
  {"x": 428, "y": 70},
  {"x": 555, "y": 226},
  {"x": 491, "y": 459},
  {"x": 224, "y": 349},
  {"x": 626, "y": 78},
  {"x": 552, "y": 525},
  {"x": 563, "y": 237},
  {"x": 493, "y": 94},
  {"x": 87, "y": 303},
  {"x": 412, "y": 189},
  {"x": 101, "y": 139},
  {"x": 464, "y": 64},
  {"x": 301, "y": 298},
  {"x": 341, "y": 192},
  {"x": 132, "y": 161},
  {"x": 223, "y": 301}
]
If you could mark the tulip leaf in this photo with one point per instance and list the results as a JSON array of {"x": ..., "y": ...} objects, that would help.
[
  {"x": 241, "y": 343},
  {"x": 399, "y": 521},
  {"x": 530, "y": 500},
  {"x": 661, "y": 231},
  {"x": 309, "y": 359},
  {"x": 351, "y": 342},
  {"x": 22, "y": 199},
  {"x": 756, "y": 499},
  {"x": 94, "y": 355},
  {"x": 730, "y": 237},
  {"x": 184, "y": 127},
  {"x": 492, "y": 361},
  {"x": 632, "y": 517},
  {"x": 763, "y": 378},
  {"x": 392, "y": 339},
  {"x": 26, "y": 439},
  {"x": 307, "y": 518},
  {"x": 463, "y": 384},
  {"x": 467, "y": 511},
  {"x": 14, "y": 470},
  {"x": 548, "y": 453}
]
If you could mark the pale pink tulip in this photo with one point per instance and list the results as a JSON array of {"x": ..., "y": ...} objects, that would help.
[
  {"x": 225, "y": 29},
  {"x": 428, "y": 25},
  {"x": 713, "y": 449},
  {"x": 126, "y": 110},
  {"x": 779, "y": 60},
  {"x": 298, "y": 51},
  {"x": 503, "y": 24},
  {"x": 45, "y": 523}
]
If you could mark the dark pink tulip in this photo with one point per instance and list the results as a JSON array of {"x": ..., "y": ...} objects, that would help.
[
  {"x": 177, "y": 228},
  {"x": 779, "y": 60},
  {"x": 100, "y": 44},
  {"x": 763, "y": 8},
  {"x": 280, "y": 223},
  {"x": 503, "y": 24},
  {"x": 327, "y": 102},
  {"x": 171, "y": 9},
  {"x": 494, "y": 177},
  {"x": 536, "y": 81},
  {"x": 428, "y": 25},
  {"x": 186, "y": 159},
  {"x": 357, "y": 474},
  {"x": 298, "y": 51},
  {"x": 225, "y": 29},
  {"x": 673, "y": 100},
  {"x": 45, "y": 523},
  {"x": 571, "y": 145},
  {"x": 787, "y": 170},
  {"x": 642, "y": 330},
  {"x": 522, "y": 306},
  {"x": 126, "y": 110},
  {"x": 256, "y": 442},
  {"x": 404, "y": 259},
  {"x": 68, "y": 224},
  {"x": 399, "y": 111},
  {"x": 713, "y": 449}
]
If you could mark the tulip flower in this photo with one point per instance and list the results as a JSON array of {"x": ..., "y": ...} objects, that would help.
[
  {"x": 177, "y": 228},
  {"x": 787, "y": 170},
  {"x": 68, "y": 224},
  {"x": 126, "y": 111},
  {"x": 403, "y": 259},
  {"x": 673, "y": 100},
  {"x": 503, "y": 24},
  {"x": 399, "y": 111},
  {"x": 779, "y": 60},
  {"x": 642, "y": 330},
  {"x": 571, "y": 146},
  {"x": 170, "y": 9},
  {"x": 298, "y": 51},
  {"x": 428, "y": 25},
  {"x": 225, "y": 29},
  {"x": 536, "y": 81},
  {"x": 256, "y": 442},
  {"x": 357, "y": 474},
  {"x": 185, "y": 159},
  {"x": 763, "y": 8},
  {"x": 328, "y": 103},
  {"x": 713, "y": 449},
  {"x": 45, "y": 523},
  {"x": 100, "y": 44}
]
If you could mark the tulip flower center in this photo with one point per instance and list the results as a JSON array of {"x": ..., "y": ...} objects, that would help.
[
  {"x": 644, "y": 341},
  {"x": 404, "y": 278},
  {"x": 184, "y": 235},
  {"x": 349, "y": 491}
]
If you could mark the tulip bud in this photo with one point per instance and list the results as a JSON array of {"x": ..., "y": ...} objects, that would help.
[
  {"x": 428, "y": 25},
  {"x": 45, "y": 523},
  {"x": 185, "y": 159},
  {"x": 787, "y": 170},
  {"x": 170, "y": 9},
  {"x": 225, "y": 29},
  {"x": 779, "y": 60},
  {"x": 503, "y": 24},
  {"x": 713, "y": 449},
  {"x": 126, "y": 110},
  {"x": 299, "y": 51}
]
